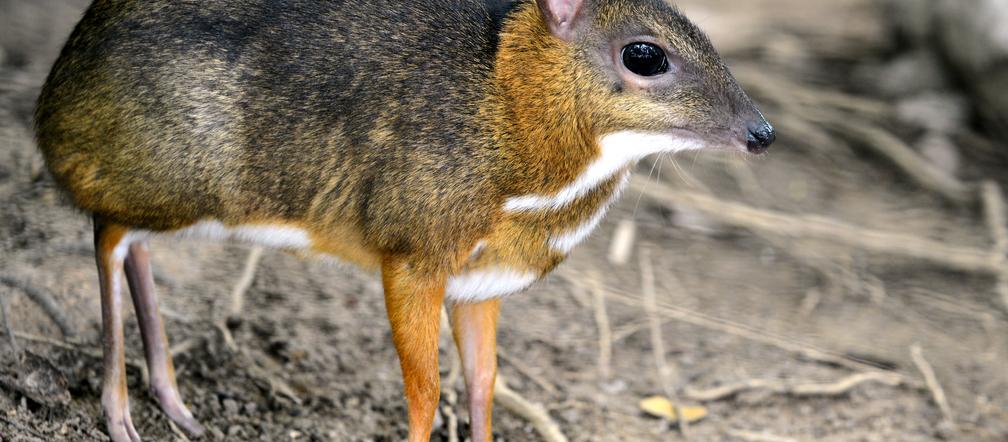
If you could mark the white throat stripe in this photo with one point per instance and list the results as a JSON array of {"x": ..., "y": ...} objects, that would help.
[
  {"x": 565, "y": 242},
  {"x": 619, "y": 150}
]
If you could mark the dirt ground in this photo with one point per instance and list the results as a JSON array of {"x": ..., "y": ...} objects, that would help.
[{"x": 313, "y": 357}]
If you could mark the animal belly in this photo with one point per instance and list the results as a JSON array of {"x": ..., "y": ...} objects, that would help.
[
  {"x": 339, "y": 244},
  {"x": 268, "y": 235}
]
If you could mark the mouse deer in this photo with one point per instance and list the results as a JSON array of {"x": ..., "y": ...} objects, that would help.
[{"x": 461, "y": 148}]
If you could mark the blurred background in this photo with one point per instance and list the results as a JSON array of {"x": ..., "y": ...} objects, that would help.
[{"x": 851, "y": 285}]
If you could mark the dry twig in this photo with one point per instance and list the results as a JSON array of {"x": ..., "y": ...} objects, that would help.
[
  {"x": 176, "y": 316},
  {"x": 937, "y": 392},
  {"x": 179, "y": 434},
  {"x": 244, "y": 282},
  {"x": 77, "y": 346},
  {"x": 841, "y": 112},
  {"x": 5, "y": 317},
  {"x": 185, "y": 346},
  {"x": 750, "y": 436},
  {"x": 526, "y": 371},
  {"x": 229, "y": 341},
  {"x": 627, "y": 331},
  {"x": 926, "y": 174},
  {"x": 995, "y": 215},
  {"x": 532, "y": 412},
  {"x": 237, "y": 298},
  {"x": 46, "y": 302},
  {"x": 81, "y": 348},
  {"x": 823, "y": 228},
  {"x": 622, "y": 242},
  {"x": 449, "y": 412},
  {"x": 746, "y": 332},
  {"x": 668, "y": 374},
  {"x": 840, "y": 387},
  {"x": 260, "y": 367},
  {"x": 256, "y": 367},
  {"x": 801, "y": 98},
  {"x": 604, "y": 330},
  {"x": 579, "y": 293},
  {"x": 812, "y": 134}
]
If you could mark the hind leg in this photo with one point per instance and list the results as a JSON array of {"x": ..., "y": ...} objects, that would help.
[
  {"x": 110, "y": 250},
  {"x": 475, "y": 329},
  {"x": 155, "y": 341}
]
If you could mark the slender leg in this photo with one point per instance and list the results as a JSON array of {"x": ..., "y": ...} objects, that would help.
[
  {"x": 475, "y": 329},
  {"x": 413, "y": 303},
  {"x": 110, "y": 250},
  {"x": 155, "y": 341}
]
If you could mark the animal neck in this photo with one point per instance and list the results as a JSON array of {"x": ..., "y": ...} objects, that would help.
[{"x": 547, "y": 139}]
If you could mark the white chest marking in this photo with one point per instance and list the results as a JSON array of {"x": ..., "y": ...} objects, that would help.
[
  {"x": 619, "y": 149},
  {"x": 488, "y": 283},
  {"x": 283, "y": 237},
  {"x": 566, "y": 241}
]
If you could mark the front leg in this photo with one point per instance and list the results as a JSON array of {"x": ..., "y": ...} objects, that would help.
[
  {"x": 475, "y": 329},
  {"x": 413, "y": 303}
]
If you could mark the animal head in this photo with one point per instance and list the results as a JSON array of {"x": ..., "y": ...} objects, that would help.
[{"x": 650, "y": 80}]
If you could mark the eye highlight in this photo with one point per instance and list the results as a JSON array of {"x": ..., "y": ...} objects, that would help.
[{"x": 645, "y": 59}]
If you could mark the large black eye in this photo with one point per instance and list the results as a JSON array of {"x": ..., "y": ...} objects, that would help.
[{"x": 645, "y": 59}]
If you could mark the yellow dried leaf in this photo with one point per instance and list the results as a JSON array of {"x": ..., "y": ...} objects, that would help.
[{"x": 659, "y": 406}]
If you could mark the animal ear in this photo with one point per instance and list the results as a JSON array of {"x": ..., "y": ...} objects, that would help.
[{"x": 561, "y": 16}]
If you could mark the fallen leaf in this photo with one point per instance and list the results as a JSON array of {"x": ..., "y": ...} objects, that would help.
[{"x": 659, "y": 406}]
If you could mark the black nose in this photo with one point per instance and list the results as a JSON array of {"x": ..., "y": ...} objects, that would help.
[{"x": 761, "y": 136}]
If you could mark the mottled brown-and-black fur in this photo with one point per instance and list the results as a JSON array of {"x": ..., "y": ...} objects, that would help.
[
  {"x": 382, "y": 128},
  {"x": 164, "y": 113}
]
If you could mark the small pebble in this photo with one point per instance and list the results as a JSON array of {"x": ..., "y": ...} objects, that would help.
[
  {"x": 217, "y": 433},
  {"x": 230, "y": 407}
]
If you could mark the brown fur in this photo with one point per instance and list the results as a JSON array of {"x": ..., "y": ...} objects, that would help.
[
  {"x": 413, "y": 302},
  {"x": 537, "y": 116},
  {"x": 393, "y": 133}
]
